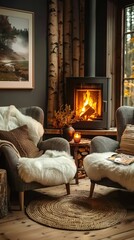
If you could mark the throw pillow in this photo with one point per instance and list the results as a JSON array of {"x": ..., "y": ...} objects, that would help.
[
  {"x": 127, "y": 140},
  {"x": 20, "y": 138}
]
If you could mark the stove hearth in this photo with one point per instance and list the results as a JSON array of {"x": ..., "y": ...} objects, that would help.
[{"x": 91, "y": 99}]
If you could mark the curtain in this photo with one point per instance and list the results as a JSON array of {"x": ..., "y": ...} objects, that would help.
[{"x": 65, "y": 48}]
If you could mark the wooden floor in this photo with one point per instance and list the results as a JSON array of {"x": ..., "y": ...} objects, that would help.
[{"x": 17, "y": 226}]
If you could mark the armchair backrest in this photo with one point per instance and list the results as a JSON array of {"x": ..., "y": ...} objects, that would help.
[
  {"x": 124, "y": 116},
  {"x": 35, "y": 112}
]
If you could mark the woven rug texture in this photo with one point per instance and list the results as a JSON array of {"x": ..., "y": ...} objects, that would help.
[{"x": 76, "y": 211}]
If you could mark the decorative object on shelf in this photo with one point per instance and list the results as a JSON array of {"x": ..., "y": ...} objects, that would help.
[
  {"x": 63, "y": 119},
  {"x": 68, "y": 132},
  {"x": 65, "y": 116},
  {"x": 77, "y": 137}
]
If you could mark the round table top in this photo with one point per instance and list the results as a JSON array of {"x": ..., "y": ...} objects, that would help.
[{"x": 83, "y": 141}]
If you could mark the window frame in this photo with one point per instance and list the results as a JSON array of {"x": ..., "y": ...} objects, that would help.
[{"x": 124, "y": 33}]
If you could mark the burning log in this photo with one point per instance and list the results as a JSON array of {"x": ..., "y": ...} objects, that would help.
[{"x": 88, "y": 111}]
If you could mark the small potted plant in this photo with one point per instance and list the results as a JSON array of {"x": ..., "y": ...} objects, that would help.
[{"x": 63, "y": 119}]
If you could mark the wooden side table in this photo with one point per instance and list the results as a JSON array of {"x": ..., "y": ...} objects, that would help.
[
  {"x": 83, "y": 143},
  {"x": 3, "y": 193}
]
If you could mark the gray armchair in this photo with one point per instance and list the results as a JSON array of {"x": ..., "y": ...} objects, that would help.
[
  {"x": 101, "y": 144},
  {"x": 9, "y": 159}
]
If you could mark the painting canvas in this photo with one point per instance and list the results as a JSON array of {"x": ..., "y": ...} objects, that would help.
[{"x": 16, "y": 49}]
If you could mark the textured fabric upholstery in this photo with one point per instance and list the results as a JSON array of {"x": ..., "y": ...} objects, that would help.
[
  {"x": 101, "y": 144},
  {"x": 124, "y": 116},
  {"x": 9, "y": 159},
  {"x": 35, "y": 112},
  {"x": 55, "y": 143},
  {"x": 127, "y": 140}
]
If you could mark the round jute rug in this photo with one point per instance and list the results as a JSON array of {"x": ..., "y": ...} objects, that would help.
[{"x": 76, "y": 211}]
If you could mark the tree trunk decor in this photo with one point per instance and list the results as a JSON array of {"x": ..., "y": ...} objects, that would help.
[
  {"x": 3, "y": 193},
  {"x": 65, "y": 48}
]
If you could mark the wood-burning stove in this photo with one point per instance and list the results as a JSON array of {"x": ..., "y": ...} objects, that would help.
[{"x": 90, "y": 97}]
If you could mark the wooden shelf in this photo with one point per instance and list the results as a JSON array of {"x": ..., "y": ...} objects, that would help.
[{"x": 101, "y": 132}]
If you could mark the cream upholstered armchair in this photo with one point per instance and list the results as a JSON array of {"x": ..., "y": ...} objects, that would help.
[
  {"x": 108, "y": 173},
  {"x": 19, "y": 137}
]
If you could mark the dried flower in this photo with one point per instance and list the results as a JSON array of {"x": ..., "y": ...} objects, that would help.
[{"x": 64, "y": 117}]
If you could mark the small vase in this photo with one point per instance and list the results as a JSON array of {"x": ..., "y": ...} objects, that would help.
[{"x": 68, "y": 133}]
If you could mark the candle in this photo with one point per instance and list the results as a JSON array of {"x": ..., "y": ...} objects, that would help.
[{"x": 77, "y": 137}]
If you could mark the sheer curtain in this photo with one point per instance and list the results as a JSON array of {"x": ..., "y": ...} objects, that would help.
[{"x": 65, "y": 48}]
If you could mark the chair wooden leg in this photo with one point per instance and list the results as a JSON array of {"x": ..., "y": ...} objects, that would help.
[
  {"x": 21, "y": 200},
  {"x": 92, "y": 186},
  {"x": 68, "y": 188}
]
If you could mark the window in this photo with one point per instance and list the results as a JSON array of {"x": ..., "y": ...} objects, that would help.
[{"x": 128, "y": 56}]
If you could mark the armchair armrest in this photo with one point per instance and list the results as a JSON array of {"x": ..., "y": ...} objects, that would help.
[
  {"x": 103, "y": 144},
  {"x": 10, "y": 159},
  {"x": 55, "y": 143}
]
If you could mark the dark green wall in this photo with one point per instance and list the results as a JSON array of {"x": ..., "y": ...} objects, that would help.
[{"x": 37, "y": 96}]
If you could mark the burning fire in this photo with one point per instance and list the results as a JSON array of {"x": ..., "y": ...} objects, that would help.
[{"x": 89, "y": 108}]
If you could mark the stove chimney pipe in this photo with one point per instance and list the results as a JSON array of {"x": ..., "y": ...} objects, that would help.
[{"x": 90, "y": 38}]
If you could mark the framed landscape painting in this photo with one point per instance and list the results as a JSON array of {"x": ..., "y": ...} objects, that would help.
[{"x": 16, "y": 49}]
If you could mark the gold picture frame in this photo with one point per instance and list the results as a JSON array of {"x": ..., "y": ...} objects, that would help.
[{"x": 16, "y": 49}]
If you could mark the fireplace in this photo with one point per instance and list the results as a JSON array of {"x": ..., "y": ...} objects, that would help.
[{"x": 90, "y": 97}]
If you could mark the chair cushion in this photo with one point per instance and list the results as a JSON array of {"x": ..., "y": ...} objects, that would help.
[
  {"x": 127, "y": 140},
  {"x": 19, "y": 137}
]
